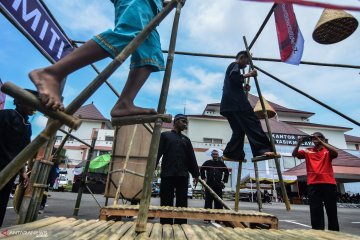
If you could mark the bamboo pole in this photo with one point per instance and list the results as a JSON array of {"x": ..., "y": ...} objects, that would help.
[
  {"x": 217, "y": 198},
  {"x": 308, "y": 96},
  {"x": 263, "y": 25},
  {"x": 277, "y": 163},
  {"x": 90, "y": 156},
  {"x": 151, "y": 163},
  {"x": 68, "y": 134},
  {"x": 30, "y": 99},
  {"x": 16, "y": 164},
  {"x": 121, "y": 179}
]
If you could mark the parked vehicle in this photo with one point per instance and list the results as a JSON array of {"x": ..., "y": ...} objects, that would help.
[{"x": 190, "y": 192}]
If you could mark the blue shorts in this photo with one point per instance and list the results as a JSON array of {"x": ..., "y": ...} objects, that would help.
[{"x": 131, "y": 16}]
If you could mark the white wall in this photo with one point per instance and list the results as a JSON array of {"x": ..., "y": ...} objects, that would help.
[
  {"x": 336, "y": 137},
  {"x": 199, "y": 129},
  {"x": 351, "y": 146}
]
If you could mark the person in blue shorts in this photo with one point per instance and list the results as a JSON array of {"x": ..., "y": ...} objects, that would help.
[{"x": 131, "y": 16}]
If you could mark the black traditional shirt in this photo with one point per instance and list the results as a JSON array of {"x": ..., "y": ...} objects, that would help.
[
  {"x": 178, "y": 155},
  {"x": 15, "y": 133},
  {"x": 214, "y": 172},
  {"x": 234, "y": 97}
]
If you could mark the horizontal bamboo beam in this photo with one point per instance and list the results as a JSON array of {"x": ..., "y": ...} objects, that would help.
[{"x": 30, "y": 99}]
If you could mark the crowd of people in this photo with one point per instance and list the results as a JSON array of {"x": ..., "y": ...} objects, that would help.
[{"x": 348, "y": 198}]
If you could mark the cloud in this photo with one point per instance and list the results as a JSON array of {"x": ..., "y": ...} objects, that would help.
[{"x": 40, "y": 121}]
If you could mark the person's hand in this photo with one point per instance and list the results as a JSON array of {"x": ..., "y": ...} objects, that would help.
[
  {"x": 247, "y": 87},
  {"x": 253, "y": 73},
  {"x": 195, "y": 181},
  {"x": 24, "y": 179},
  {"x": 222, "y": 184}
]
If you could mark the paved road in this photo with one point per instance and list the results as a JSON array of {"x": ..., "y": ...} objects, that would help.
[{"x": 62, "y": 204}]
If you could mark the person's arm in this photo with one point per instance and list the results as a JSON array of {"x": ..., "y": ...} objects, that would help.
[
  {"x": 24, "y": 178},
  {"x": 193, "y": 166},
  {"x": 332, "y": 150},
  {"x": 226, "y": 173},
  {"x": 160, "y": 149},
  {"x": 296, "y": 153},
  {"x": 202, "y": 171}
]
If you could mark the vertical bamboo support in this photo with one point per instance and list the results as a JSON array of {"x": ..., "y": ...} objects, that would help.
[
  {"x": 258, "y": 191},
  {"x": 277, "y": 163},
  {"x": 150, "y": 167},
  {"x": 90, "y": 156}
]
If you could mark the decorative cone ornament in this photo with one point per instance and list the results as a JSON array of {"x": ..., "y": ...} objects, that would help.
[
  {"x": 269, "y": 109},
  {"x": 334, "y": 26}
]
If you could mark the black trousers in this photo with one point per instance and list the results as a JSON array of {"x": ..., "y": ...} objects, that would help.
[
  {"x": 209, "y": 199},
  {"x": 4, "y": 199},
  {"x": 321, "y": 195},
  {"x": 241, "y": 123},
  {"x": 168, "y": 186}
]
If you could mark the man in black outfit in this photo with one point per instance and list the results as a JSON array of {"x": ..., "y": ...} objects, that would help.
[
  {"x": 178, "y": 160},
  {"x": 15, "y": 133},
  {"x": 236, "y": 108},
  {"x": 216, "y": 174}
]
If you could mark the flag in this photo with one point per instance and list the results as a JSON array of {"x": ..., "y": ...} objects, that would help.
[
  {"x": 2, "y": 97},
  {"x": 291, "y": 41}
]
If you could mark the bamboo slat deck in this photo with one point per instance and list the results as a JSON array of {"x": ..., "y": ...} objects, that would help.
[
  {"x": 251, "y": 217},
  {"x": 70, "y": 228}
]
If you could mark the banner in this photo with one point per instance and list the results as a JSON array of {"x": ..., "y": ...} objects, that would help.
[
  {"x": 37, "y": 24},
  {"x": 2, "y": 97},
  {"x": 291, "y": 41}
]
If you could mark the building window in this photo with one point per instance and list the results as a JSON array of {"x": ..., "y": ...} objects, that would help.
[
  {"x": 213, "y": 140},
  {"x": 58, "y": 138},
  {"x": 289, "y": 162},
  {"x": 109, "y": 138},
  {"x": 70, "y": 138},
  {"x": 357, "y": 146},
  {"x": 103, "y": 152}
]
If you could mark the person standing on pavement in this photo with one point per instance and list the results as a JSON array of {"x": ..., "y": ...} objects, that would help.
[
  {"x": 216, "y": 174},
  {"x": 178, "y": 159},
  {"x": 15, "y": 133},
  {"x": 321, "y": 181}
]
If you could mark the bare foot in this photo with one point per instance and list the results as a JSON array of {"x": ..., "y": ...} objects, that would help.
[
  {"x": 48, "y": 86},
  {"x": 122, "y": 109}
]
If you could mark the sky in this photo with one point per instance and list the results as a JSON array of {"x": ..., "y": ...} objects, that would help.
[{"x": 210, "y": 26}]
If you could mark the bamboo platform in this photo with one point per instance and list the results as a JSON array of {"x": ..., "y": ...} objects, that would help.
[
  {"x": 251, "y": 217},
  {"x": 70, "y": 228}
]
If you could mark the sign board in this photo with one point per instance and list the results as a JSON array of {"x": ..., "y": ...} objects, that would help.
[
  {"x": 288, "y": 139},
  {"x": 33, "y": 19}
]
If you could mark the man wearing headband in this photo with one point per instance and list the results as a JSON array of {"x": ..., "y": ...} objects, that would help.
[
  {"x": 178, "y": 159},
  {"x": 236, "y": 108},
  {"x": 321, "y": 181},
  {"x": 15, "y": 133}
]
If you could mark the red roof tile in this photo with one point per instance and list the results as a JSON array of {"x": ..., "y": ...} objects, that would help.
[
  {"x": 89, "y": 112},
  {"x": 353, "y": 139}
]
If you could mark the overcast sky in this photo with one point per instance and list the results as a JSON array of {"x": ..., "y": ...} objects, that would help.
[{"x": 210, "y": 26}]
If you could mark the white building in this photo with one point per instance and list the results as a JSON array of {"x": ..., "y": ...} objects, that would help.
[{"x": 210, "y": 129}]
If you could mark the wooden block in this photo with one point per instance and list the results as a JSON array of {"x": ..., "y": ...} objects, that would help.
[{"x": 130, "y": 120}]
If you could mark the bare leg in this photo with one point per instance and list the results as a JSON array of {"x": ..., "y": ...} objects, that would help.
[
  {"x": 125, "y": 105},
  {"x": 48, "y": 80}
]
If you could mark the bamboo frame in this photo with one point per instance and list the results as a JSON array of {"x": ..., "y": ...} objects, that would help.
[
  {"x": 277, "y": 163},
  {"x": 151, "y": 163},
  {"x": 90, "y": 156}
]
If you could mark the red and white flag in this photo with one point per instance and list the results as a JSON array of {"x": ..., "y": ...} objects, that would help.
[
  {"x": 291, "y": 41},
  {"x": 2, "y": 97}
]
